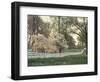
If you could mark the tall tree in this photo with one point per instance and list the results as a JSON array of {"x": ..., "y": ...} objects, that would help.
[{"x": 78, "y": 26}]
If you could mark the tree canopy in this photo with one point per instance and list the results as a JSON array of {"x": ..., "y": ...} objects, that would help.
[{"x": 56, "y": 33}]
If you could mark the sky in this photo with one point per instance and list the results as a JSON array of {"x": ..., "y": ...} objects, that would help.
[{"x": 46, "y": 18}]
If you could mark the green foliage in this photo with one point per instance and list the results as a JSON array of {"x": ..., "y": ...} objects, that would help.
[{"x": 68, "y": 60}]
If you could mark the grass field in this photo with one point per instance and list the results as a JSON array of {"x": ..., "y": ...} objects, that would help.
[{"x": 67, "y": 60}]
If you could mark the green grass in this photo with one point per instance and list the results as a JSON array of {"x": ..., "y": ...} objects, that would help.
[{"x": 68, "y": 60}]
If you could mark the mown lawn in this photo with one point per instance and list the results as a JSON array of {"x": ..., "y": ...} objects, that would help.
[{"x": 68, "y": 60}]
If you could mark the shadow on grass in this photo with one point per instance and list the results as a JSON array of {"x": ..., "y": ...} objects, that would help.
[{"x": 67, "y": 60}]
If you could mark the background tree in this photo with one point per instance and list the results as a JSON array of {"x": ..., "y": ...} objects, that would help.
[
  {"x": 64, "y": 24},
  {"x": 78, "y": 26},
  {"x": 56, "y": 31}
]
